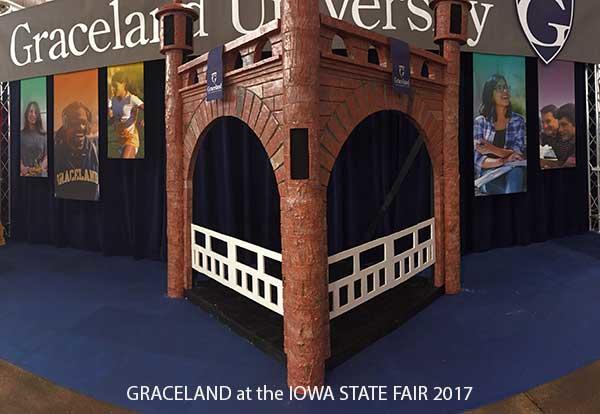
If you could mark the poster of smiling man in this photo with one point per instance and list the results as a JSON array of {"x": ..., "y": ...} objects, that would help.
[
  {"x": 557, "y": 115},
  {"x": 126, "y": 111},
  {"x": 499, "y": 127},
  {"x": 34, "y": 139},
  {"x": 76, "y": 136}
]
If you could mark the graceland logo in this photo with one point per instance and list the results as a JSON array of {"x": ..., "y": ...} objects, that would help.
[
  {"x": 555, "y": 14},
  {"x": 77, "y": 174}
]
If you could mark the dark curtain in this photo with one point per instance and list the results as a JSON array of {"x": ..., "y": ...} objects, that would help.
[
  {"x": 130, "y": 218},
  {"x": 363, "y": 176},
  {"x": 235, "y": 190},
  {"x": 555, "y": 204}
]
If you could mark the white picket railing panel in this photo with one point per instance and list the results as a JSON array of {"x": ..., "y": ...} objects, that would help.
[
  {"x": 374, "y": 280},
  {"x": 228, "y": 271},
  {"x": 390, "y": 272}
]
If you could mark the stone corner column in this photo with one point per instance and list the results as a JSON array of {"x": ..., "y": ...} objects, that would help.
[
  {"x": 174, "y": 18},
  {"x": 303, "y": 202},
  {"x": 451, "y": 32}
]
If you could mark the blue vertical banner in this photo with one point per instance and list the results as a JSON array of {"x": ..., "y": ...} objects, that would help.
[
  {"x": 400, "y": 65},
  {"x": 214, "y": 74}
]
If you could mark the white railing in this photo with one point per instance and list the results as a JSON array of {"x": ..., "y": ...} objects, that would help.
[
  {"x": 394, "y": 268},
  {"x": 364, "y": 282},
  {"x": 254, "y": 283}
]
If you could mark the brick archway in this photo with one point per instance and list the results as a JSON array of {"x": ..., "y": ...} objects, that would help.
[
  {"x": 243, "y": 104},
  {"x": 306, "y": 89},
  {"x": 424, "y": 111}
]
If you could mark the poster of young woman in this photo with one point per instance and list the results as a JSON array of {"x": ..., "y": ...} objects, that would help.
[
  {"x": 557, "y": 115},
  {"x": 76, "y": 136},
  {"x": 126, "y": 111},
  {"x": 499, "y": 128},
  {"x": 34, "y": 139}
]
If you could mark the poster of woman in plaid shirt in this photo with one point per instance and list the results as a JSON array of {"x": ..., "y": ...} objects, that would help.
[{"x": 499, "y": 128}]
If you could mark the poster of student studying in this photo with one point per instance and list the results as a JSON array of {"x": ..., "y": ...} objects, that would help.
[
  {"x": 557, "y": 115},
  {"x": 499, "y": 126}
]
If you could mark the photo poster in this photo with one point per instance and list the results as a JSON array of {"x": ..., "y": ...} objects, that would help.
[
  {"x": 558, "y": 138},
  {"x": 34, "y": 136},
  {"x": 76, "y": 165},
  {"x": 499, "y": 126},
  {"x": 126, "y": 111}
]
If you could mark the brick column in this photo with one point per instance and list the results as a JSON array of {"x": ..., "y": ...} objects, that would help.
[
  {"x": 451, "y": 170},
  {"x": 303, "y": 203},
  {"x": 174, "y": 49},
  {"x": 451, "y": 32}
]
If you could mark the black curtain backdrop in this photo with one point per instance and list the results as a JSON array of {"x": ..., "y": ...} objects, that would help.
[
  {"x": 130, "y": 218},
  {"x": 235, "y": 190},
  {"x": 555, "y": 204},
  {"x": 363, "y": 176}
]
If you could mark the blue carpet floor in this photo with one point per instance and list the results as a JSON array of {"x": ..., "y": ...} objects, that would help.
[{"x": 97, "y": 325}]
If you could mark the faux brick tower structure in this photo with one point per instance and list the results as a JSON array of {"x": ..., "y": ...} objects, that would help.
[
  {"x": 174, "y": 18},
  {"x": 303, "y": 200},
  {"x": 302, "y": 101},
  {"x": 451, "y": 31}
]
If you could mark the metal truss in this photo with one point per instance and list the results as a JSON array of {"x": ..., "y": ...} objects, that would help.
[
  {"x": 593, "y": 107},
  {"x": 5, "y": 156}
]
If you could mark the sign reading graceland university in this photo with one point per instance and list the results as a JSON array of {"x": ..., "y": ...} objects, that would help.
[{"x": 68, "y": 35}]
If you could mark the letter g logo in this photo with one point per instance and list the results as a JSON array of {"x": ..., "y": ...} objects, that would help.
[{"x": 546, "y": 24}]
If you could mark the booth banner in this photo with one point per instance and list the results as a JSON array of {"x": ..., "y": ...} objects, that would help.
[
  {"x": 126, "y": 111},
  {"x": 214, "y": 75},
  {"x": 400, "y": 65},
  {"x": 34, "y": 138},
  {"x": 76, "y": 136},
  {"x": 556, "y": 85},
  {"x": 69, "y": 35},
  {"x": 499, "y": 128}
]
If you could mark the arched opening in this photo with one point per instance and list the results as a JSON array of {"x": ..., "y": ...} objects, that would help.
[
  {"x": 236, "y": 239},
  {"x": 381, "y": 232},
  {"x": 239, "y": 62},
  {"x": 373, "y": 55},
  {"x": 338, "y": 46},
  {"x": 264, "y": 51},
  {"x": 235, "y": 191},
  {"x": 425, "y": 70}
]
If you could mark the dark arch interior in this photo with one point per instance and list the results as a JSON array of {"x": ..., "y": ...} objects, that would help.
[
  {"x": 267, "y": 50},
  {"x": 363, "y": 176},
  {"x": 235, "y": 190}
]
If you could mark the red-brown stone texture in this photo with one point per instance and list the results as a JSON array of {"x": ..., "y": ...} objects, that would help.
[
  {"x": 173, "y": 136},
  {"x": 304, "y": 85},
  {"x": 450, "y": 45},
  {"x": 303, "y": 203}
]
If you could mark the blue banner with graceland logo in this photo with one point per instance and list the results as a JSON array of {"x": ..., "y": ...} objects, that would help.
[
  {"x": 214, "y": 75},
  {"x": 400, "y": 65}
]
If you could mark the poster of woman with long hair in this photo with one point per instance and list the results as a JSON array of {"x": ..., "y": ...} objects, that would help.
[
  {"x": 34, "y": 138},
  {"x": 499, "y": 127}
]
